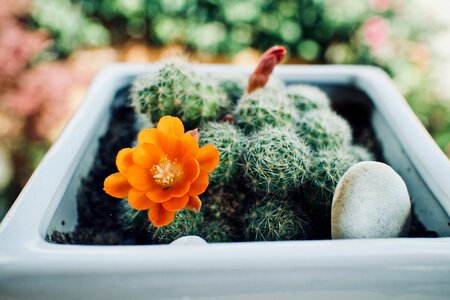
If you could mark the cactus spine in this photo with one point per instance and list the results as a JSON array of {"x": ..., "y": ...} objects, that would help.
[
  {"x": 276, "y": 161},
  {"x": 307, "y": 97},
  {"x": 324, "y": 129},
  {"x": 275, "y": 220},
  {"x": 229, "y": 141},
  {"x": 174, "y": 89},
  {"x": 264, "y": 107}
]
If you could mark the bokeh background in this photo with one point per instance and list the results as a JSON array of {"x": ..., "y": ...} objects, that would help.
[{"x": 51, "y": 49}]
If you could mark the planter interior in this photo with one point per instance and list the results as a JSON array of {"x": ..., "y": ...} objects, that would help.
[{"x": 348, "y": 100}]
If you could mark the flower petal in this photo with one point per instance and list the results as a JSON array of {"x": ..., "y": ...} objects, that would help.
[
  {"x": 159, "y": 195},
  {"x": 191, "y": 170},
  {"x": 172, "y": 146},
  {"x": 159, "y": 216},
  {"x": 208, "y": 158},
  {"x": 148, "y": 136},
  {"x": 176, "y": 204},
  {"x": 171, "y": 126},
  {"x": 138, "y": 200},
  {"x": 190, "y": 146},
  {"x": 140, "y": 178},
  {"x": 194, "y": 203},
  {"x": 124, "y": 159},
  {"x": 116, "y": 185},
  {"x": 200, "y": 184},
  {"x": 146, "y": 155}
]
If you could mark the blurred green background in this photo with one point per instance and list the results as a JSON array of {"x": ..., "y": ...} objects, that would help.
[{"x": 51, "y": 49}]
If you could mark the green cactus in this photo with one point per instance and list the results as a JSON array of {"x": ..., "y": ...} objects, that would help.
[
  {"x": 263, "y": 107},
  {"x": 223, "y": 202},
  {"x": 307, "y": 97},
  {"x": 233, "y": 85},
  {"x": 229, "y": 141},
  {"x": 174, "y": 89},
  {"x": 275, "y": 161},
  {"x": 186, "y": 222},
  {"x": 275, "y": 220},
  {"x": 328, "y": 166},
  {"x": 324, "y": 129},
  {"x": 360, "y": 153},
  {"x": 135, "y": 220},
  {"x": 218, "y": 231}
]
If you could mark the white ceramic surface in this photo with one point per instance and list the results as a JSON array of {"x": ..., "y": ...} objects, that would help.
[{"x": 31, "y": 268}]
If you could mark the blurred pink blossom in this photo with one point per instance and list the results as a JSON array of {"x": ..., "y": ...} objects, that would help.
[
  {"x": 17, "y": 47},
  {"x": 376, "y": 32},
  {"x": 11, "y": 9},
  {"x": 42, "y": 91},
  {"x": 380, "y": 5}
]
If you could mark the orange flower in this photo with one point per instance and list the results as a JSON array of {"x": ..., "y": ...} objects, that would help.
[{"x": 164, "y": 173}]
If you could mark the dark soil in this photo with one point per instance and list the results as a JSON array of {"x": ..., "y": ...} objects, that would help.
[{"x": 98, "y": 214}]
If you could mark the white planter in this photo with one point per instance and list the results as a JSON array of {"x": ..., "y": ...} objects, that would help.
[{"x": 31, "y": 268}]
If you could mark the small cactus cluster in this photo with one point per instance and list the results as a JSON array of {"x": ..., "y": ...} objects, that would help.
[
  {"x": 186, "y": 222},
  {"x": 275, "y": 220},
  {"x": 229, "y": 141},
  {"x": 324, "y": 129},
  {"x": 175, "y": 89},
  {"x": 307, "y": 97},
  {"x": 263, "y": 107},
  {"x": 276, "y": 161},
  {"x": 282, "y": 152}
]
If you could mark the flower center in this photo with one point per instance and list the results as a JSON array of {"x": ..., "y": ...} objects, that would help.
[{"x": 167, "y": 172}]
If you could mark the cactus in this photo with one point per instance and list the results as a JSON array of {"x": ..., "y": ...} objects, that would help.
[
  {"x": 324, "y": 129},
  {"x": 275, "y": 220},
  {"x": 275, "y": 83},
  {"x": 275, "y": 161},
  {"x": 229, "y": 141},
  {"x": 174, "y": 89},
  {"x": 233, "y": 86},
  {"x": 263, "y": 107},
  {"x": 307, "y": 97},
  {"x": 186, "y": 222},
  {"x": 360, "y": 153},
  {"x": 218, "y": 231},
  {"x": 223, "y": 202},
  {"x": 328, "y": 166}
]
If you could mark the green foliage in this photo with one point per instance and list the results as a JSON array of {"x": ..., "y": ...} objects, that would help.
[
  {"x": 275, "y": 220},
  {"x": 307, "y": 97},
  {"x": 71, "y": 28},
  {"x": 229, "y": 141},
  {"x": 324, "y": 129},
  {"x": 174, "y": 89},
  {"x": 264, "y": 107},
  {"x": 276, "y": 161}
]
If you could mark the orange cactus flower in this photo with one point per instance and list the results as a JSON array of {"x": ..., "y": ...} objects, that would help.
[{"x": 164, "y": 173}]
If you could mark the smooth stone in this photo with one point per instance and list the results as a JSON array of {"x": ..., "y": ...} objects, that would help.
[
  {"x": 189, "y": 240},
  {"x": 370, "y": 201}
]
